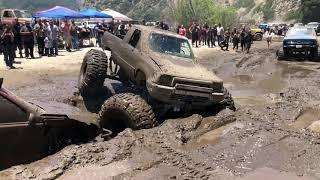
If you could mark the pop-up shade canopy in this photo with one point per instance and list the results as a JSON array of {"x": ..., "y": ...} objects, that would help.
[
  {"x": 116, "y": 15},
  {"x": 91, "y": 13},
  {"x": 59, "y": 12}
]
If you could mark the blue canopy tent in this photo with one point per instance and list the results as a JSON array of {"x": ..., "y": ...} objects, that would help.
[
  {"x": 59, "y": 12},
  {"x": 91, "y": 13}
]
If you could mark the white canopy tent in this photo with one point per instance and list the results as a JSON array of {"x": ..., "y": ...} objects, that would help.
[{"x": 116, "y": 15}]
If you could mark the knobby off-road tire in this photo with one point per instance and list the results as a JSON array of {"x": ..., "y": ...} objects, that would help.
[
  {"x": 126, "y": 111},
  {"x": 228, "y": 100},
  {"x": 93, "y": 72},
  {"x": 280, "y": 54},
  {"x": 259, "y": 37}
]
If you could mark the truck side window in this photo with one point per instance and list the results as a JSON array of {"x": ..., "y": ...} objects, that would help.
[
  {"x": 135, "y": 38},
  {"x": 8, "y": 14},
  {"x": 10, "y": 113}
]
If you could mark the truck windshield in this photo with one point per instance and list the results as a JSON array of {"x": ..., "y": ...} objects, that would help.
[
  {"x": 170, "y": 45},
  {"x": 22, "y": 14}
]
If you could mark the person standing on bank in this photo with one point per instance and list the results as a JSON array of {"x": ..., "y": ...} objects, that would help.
[
  {"x": 220, "y": 33},
  {"x": 7, "y": 38},
  {"x": 40, "y": 32},
  {"x": 28, "y": 39},
  {"x": 17, "y": 37},
  {"x": 54, "y": 30}
]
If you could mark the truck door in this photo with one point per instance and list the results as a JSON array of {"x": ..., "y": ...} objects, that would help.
[
  {"x": 131, "y": 53},
  {"x": 8, "y": 16},
  {"x": 17, "y": 139}
]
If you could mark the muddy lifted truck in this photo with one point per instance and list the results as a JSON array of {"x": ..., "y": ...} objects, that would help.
[
  {"x": 29, "y": 133},
  {"x": 299, "y": 42},
  {"x": 162, "y": 71}
]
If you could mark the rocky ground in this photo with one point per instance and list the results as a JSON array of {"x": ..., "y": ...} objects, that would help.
[{"x": 272, "y": 135}]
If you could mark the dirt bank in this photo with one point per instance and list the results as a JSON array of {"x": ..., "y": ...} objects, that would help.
[{"x": 267, "y": 137}]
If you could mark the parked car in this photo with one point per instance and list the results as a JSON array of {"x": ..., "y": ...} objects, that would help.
[
  {"x": 9, "y": 15},
  {"x": 28, "y": 132},
  {"x": 315, "y": 26},
  {"x": 299, "y": 42}
]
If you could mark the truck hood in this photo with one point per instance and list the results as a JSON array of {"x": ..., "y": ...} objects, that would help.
[
  {"x": 68, "y": 110},
  {"x": 183, "y": 67}
]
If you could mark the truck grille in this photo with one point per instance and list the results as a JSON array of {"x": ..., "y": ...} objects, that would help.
[
  {"x": 183, "y": 98},
  {"x": 214, "y": 87}
]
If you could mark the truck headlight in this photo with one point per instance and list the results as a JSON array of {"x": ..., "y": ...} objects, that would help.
[{"x": 165, "y": 80}]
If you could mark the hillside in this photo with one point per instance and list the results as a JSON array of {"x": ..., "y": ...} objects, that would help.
[
  {"x": 248, "y": 10},
  {"x": 152, "y": 10},
  {"x": 35, "y": 5},
  {"x": 148, "y": 10}
]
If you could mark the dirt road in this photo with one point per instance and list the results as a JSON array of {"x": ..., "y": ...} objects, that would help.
[{"x": 272, "y": 135}]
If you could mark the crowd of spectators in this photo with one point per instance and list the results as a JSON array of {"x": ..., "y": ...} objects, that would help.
[
  {"x": 217, "y": 35},
  {"x": 49, "y": 36}
]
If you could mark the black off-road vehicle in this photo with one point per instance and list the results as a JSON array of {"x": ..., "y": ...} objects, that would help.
[
  {"x": 28, "y": 132},
  {"x": 300, "y": 42}
]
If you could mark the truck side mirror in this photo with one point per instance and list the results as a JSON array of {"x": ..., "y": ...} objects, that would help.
[{"x": 31, "y": 119}]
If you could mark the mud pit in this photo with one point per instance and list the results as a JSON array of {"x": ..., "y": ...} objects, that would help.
[{"x": 272, "y": 135}]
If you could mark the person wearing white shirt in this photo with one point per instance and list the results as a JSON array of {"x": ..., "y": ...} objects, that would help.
[{"x": 220, "y": 33}]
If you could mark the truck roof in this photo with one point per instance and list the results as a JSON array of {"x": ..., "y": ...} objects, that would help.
[{"x": 151, "y": 29}]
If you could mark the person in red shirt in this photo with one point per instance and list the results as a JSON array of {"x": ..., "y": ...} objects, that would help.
[{"x": 182, "y": 31}]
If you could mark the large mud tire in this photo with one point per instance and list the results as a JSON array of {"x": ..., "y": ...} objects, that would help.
[
  {"x": 258, "y": 37},
  {"x": 280, "y": 54},
  {"x": 228, "y": 100},
  {"x": 93, "y": 72},
  {"x": 126, "y": 111}
]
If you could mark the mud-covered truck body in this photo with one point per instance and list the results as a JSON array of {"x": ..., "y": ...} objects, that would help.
[
  {"x": 164, "y": 62},
  {"x": 160, "y": 68},
  {"x": 28, "y": 132}
]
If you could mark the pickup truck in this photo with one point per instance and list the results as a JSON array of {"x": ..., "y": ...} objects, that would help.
[
  {"x": 8, "y": 16},
  {"x": 162, "y": 66}
]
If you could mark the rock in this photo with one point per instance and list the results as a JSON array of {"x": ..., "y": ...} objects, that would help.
[{"x": 315, "y": 127}]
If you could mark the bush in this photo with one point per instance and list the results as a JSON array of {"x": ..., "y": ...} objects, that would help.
[{"x": 205, "y": 11}]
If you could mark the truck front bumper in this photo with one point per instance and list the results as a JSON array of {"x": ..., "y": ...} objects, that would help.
[{"x": 185, "y": 94}]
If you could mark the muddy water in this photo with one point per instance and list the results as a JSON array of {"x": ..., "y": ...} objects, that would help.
[
  {"x": 194, "y": 147},
  {"x": 306, "y": 118}
]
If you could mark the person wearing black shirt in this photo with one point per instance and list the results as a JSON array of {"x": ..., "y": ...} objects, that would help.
[
  {"x": 7, "y": 38},
  {"x": 248, "y": 41},
  {"x": 99, "y": 33},
  {"x": 17, "y": 37},
  {"x": 215, "y": 35},
  {"x": 242, "y": 40}
]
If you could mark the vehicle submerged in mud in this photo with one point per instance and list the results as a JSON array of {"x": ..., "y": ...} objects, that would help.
[
  {"x": 29, "y": 133},
  {"x": 300, "y": 42},
  {"x": 161, "y": 70}
]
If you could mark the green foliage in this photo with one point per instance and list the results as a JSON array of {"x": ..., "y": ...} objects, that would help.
[
  {"x": 249, "y": 4},
  {"x": 36, "y": 5},
  {"x": 205, "y": 11},
  {"x": 268, "y": 11},
  {"x": 295, "y": 16},
  {"x": 310, "y": 10}
]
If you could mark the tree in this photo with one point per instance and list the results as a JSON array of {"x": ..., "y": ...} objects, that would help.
[
  {"x": 35, "y": 5},
  {"x": 310, "y": 10},
  {"x": 205, "y": 11}
]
